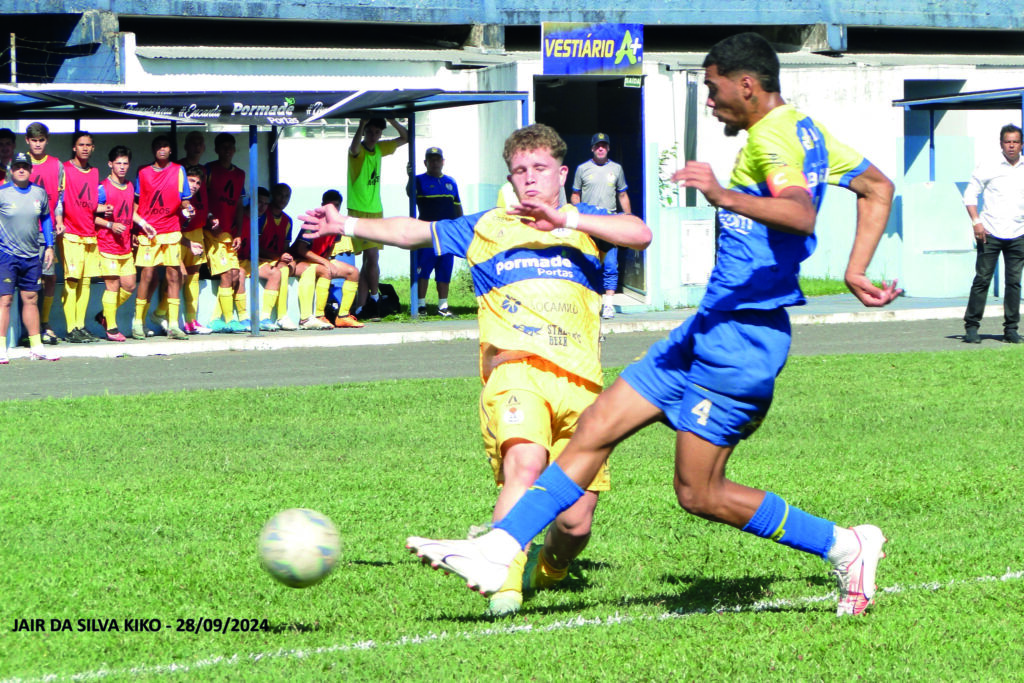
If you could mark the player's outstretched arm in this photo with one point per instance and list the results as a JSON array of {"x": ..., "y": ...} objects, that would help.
[
  {"x": 874, "y": 200},
  {"x": 408, "y": 233},
  {"x": 622, "y": 229}
]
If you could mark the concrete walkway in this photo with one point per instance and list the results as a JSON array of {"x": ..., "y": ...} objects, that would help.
[{"x": 836, "y": 309}]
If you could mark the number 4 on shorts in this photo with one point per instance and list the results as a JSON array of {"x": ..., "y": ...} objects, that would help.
[{"x": 702, "y": 410}]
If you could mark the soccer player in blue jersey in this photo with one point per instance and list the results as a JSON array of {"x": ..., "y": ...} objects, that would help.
[
  {"x": 712, "y": 379},
  {"x": 536, "y": 271}
]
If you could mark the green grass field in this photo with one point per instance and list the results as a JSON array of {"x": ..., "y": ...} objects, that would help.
[{"x": 119, "y": 508}]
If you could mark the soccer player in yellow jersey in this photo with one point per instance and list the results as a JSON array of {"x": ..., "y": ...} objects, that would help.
[
  {"x": 364, "y": 164},
  {"x": 537, "y": 275}
]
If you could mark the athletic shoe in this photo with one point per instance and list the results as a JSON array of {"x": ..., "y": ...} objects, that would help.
[
  {"x": 535, "y": 578},
  {"x": 50, "y": 337},
  {"x": 39, "y": 354},
  {"x": 287, "y": 324},
  {"x": 444, "y": 312},
  {"x": 484, "y": 562},
  {"x": 138, "y": 331},
  {"x": 197, "y": 328},
  {"x": 421, "y": 311},
  {"x": 238, "y": 326},
  {"x": 101, "y": 320},
  {"x": 88, "y": 336},
  {"x": 971, "y": 336},
  {"x": 159, "y": 322},
  {"x": 315, "y": 324},
  {"x": 115, "y": 336},
  {"x": 268, "y": 325},
  {"x": 1011, "y": 337},
  {"x": 347, "y": 321},
  {"x": 218, "y": 325},
  {"x": 176, "y": 333},
  {"x": 75, "y": 336},
  {"x": 856, "y": 578},
  {"x": 507, "y": 600},
  {"x": 4, "y": 360},
  {"x": 608, "y": 312}
]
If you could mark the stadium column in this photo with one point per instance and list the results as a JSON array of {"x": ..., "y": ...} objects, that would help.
[
  {"x": 414, "y": 290},
  {"x": 254, "y": 237}
]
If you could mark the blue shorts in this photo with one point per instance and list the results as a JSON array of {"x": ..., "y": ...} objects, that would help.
[
  {"x": 21, "y": 273},
  {"x": 427, "y": 262},
  {"x": 346, "y": 257},
  {"x": 715, "y": 374}
]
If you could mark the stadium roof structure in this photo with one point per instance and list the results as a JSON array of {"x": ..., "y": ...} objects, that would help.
[
  {"x": 246, "y": 108},
  {"x": 1006, "y": 98}
]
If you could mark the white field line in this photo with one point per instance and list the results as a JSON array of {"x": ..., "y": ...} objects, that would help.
[{"x": 201, "y": 665}]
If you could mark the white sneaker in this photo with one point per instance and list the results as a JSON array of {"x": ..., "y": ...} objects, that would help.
[
  {"x": 4, "y": 360},
  {"x": 608, "y": 312},
  {"x": 159, "y": 322},
  {"x": 287, "y": 324},
  {"x": 199, "y": 328},
  {"x": 856, "y": 576},
  {"x": 39, "y": 354},
  {"x": 483, "y": 562},
  {"x": 315, "y": 323}
]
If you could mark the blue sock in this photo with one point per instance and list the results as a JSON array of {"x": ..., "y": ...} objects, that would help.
[
  {"x": 791, "y": 526},
  {"x": 550, "y": 494}
]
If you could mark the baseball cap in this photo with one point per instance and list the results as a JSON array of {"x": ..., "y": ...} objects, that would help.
[
  {"x": 600, "y": 137},
  {"x": 433, "y": 152},
  {"x": 21, "y": 159}
]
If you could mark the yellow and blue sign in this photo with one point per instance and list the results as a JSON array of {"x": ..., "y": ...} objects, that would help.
[{"x": 588, "y": 49}]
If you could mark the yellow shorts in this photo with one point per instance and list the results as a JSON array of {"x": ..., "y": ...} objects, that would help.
[
  {"x": 188, "y": 259},
  {"x": 359, "y": 245},
  {"x": 218, "y": 252},
  {"x": 162, "y": 250},
  {"x": 534, "y": 399},
  {"x": 81, "y": 259},
  {"x": 245, "y": 265},
  {"x": 116, "y": 265}
]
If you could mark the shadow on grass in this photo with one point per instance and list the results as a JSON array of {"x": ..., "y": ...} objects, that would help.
[
  {"x": 703, "y": 594},
  {"x": 295, "y": 627}
]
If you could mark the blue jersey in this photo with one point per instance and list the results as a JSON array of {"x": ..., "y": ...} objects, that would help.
[
  {"x": 758, "y": 267},
  {"x": 436, "y": 198}
]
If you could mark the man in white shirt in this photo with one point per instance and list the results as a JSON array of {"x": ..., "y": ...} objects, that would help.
[{"x": 998, "y": 227}]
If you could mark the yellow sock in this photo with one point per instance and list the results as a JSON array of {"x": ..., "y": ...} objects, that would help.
[
  {"x": 140, "y": 310},
  {"x": 173, "y": 308},
  {"x": 122, "y": 296},
  {"x": 269, "y": 302},
  {"x": 224, "y": 295},
  {"x": 282, "y": 294},
  {"x": 241, "y": 306},
  {"x": 307, "y": 288},
  {"x": 161, "y": 305},
  {"x": 69, "y": 299},
  {"x": 44, "y": 312},
  {"x": 35, "y": 342},
  {"x": 323, "y": 288},
  {"x": 84, "y": 290},
  {"x": 348, "y": 295},
  {"x": 110, "y": 308},
  {"x": 191, "y": 297}
]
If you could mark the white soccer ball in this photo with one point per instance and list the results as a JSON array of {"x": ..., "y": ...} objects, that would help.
[{"x": 299, "y": 547}]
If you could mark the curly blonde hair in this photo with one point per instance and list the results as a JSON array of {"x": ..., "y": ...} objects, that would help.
[{"x": 537, "y": 136}]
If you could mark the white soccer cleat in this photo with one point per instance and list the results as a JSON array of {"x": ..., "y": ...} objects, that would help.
[
  {"x": 483, "y": 562},
  {"x": 39, "y": 354},
  {"x": 856, "y": 578}
]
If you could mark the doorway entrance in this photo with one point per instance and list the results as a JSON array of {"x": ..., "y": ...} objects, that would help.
[{"x": 579, "y": 106}]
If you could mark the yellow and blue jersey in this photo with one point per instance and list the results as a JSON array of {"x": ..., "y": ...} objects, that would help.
[
  {"x": 538, "y": 292},
  {"x": 436, "y": 198},
  {"x": 758, "y": 267}
]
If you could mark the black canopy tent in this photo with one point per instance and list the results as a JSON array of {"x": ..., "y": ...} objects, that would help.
[{"x": 270, "y": 109}]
